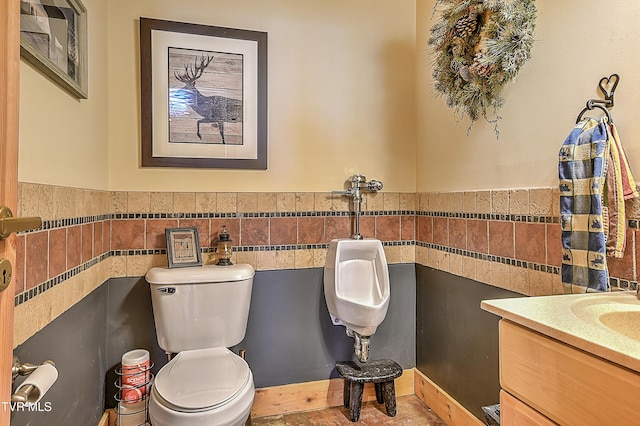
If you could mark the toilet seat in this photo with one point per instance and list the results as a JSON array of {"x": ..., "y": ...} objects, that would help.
[{"x": 201, "y": 380}]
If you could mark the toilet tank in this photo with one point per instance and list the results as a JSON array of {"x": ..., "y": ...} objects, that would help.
[{"x": 200, "y": 307}]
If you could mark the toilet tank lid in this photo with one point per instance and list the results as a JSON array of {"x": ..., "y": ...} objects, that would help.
[{"x": 200, "y": 274}]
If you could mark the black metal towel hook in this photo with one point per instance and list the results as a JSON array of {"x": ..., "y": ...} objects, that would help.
[{"x": 607, "y": 86}]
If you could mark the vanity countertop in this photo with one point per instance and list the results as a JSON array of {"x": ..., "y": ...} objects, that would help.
[{"x": 603, "y": 324}]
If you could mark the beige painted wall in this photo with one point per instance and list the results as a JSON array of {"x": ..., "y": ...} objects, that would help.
[
  {"x": 577, "y": 43},
  {"x": 341, "y": 93},
  {"x": 63, "y": 141},
  {"x": 341, "y": 99}
]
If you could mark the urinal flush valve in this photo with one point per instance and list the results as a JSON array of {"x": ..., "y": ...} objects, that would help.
[{"x": 358, "y": 183}]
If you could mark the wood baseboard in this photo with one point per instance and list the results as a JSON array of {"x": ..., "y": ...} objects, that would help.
[
  {"x": 108, "y": 418},
  {"x": 321, "y": 394},
  {"x": 447, "y": 408},
  {"x": 316, "y": 395}
]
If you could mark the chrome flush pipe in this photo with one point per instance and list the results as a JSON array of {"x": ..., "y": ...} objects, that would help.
[
  {"x": 358, "y": 184},
  {"x": 360, "y": 345}
]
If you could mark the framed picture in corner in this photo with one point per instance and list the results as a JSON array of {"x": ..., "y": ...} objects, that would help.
[
  {"x": 53, "y": 39},
  {"x": 183, "y": 247}
]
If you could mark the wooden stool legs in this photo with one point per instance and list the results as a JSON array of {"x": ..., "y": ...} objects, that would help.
[
  {"x": 379, "y": 396},
  {"x": 389, "y": 396},
  {"x": 355, "y": 402},
  {"x": 385, "y": 393},
  {"x": 381, "y": 373}
]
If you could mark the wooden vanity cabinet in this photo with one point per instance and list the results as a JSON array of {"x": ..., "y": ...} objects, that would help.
[
  {"x": 515, "y": 412},
  {"x": 547, "y": 382}
]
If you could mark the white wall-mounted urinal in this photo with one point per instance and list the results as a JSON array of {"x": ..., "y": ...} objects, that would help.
[{"x": 356, "y": 284}]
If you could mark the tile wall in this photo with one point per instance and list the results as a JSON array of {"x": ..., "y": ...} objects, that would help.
[
  {"x": 269, "y": 230},
  {"x": 90, "y": 236},
  {"x": 64, "y": 261},
  {"x": 509, "y": 239}
]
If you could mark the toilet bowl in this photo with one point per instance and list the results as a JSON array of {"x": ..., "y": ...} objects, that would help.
[
  {"x": 199, "y": 312},
  {"x": 356, "y": 284},
  {"x": 202, "y": 387}
]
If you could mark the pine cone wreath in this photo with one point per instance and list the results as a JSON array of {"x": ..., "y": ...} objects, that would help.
[
  {"x": 466, "y": 26},
  {"x": 457, "y": 46},
  {"x": 465, "y": 73},
  {"x": 480, "y": 66},
  {"x": 480, "y": 46}
]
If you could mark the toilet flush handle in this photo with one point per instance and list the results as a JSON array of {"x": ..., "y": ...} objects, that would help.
[{"x": 167, "y": 290}]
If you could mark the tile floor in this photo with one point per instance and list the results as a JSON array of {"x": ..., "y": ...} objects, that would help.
[{"x": 411, "y": 411}]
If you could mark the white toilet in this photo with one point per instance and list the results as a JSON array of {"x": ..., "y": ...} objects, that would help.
[
  {"x": 199, "y": 312},
  {"x": 356, "y": 288}
]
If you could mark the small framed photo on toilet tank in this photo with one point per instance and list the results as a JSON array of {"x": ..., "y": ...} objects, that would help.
[{"x": 183, "y": 247}]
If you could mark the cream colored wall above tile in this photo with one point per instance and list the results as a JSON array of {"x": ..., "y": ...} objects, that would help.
[
  {"x": 63, "y": 140},
  {"x": 341, "y": 94},
  {"x": 540, "y": 106}
]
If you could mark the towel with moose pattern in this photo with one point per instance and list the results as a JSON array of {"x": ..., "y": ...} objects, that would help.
[{"x": 583, "y": 160}]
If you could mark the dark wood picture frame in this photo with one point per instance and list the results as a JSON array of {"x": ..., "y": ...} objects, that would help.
[
  {"x": 160, "y": 78},
  {"x": 183, "y": 247}
]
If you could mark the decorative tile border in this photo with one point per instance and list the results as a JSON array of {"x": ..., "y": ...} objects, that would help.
[
  {"x": 49, "y": 284},
  {"x": 493, "y": 216},
  {"x": 493, "y": 258},
  {"x": 466, "y": 232},
  {"x": 241, "y": 249},
  {"x": 534, "y": 206},
  {"x": 239, "y": 215},
  {"x": 623, "y": 284},
  {"x": 95, "y": 233}
]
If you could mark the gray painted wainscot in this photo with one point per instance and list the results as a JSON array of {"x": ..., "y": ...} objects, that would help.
[{"x": 290, "y": 339}]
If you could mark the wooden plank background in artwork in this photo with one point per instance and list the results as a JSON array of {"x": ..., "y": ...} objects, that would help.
[{"x": 223, "y": 77}]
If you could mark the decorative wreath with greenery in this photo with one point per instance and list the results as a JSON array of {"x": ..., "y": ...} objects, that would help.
[{"x": 480, "y": 46}]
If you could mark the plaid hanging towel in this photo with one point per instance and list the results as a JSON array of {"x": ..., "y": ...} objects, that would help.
[{"x": 583, "y": 159}]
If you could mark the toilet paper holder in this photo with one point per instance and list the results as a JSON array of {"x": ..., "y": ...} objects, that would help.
[{"x": 23, "y": 393}]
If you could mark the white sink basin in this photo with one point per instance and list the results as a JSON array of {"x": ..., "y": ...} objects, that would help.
[
  {"x": 616, "y": 312},
  {"x": 626, "y": 323}
]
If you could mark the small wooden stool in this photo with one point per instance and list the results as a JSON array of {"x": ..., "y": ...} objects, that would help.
[{"x": 381, "y": 372}]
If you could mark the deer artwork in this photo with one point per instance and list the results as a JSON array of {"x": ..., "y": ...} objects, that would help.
[{"x": 213, "y": 109}]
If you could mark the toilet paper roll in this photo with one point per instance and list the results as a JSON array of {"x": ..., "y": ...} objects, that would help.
[{"x": 41, "y": 379}]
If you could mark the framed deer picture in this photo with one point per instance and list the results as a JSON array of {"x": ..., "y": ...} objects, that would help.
[{"x": 204, "y": 96}]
